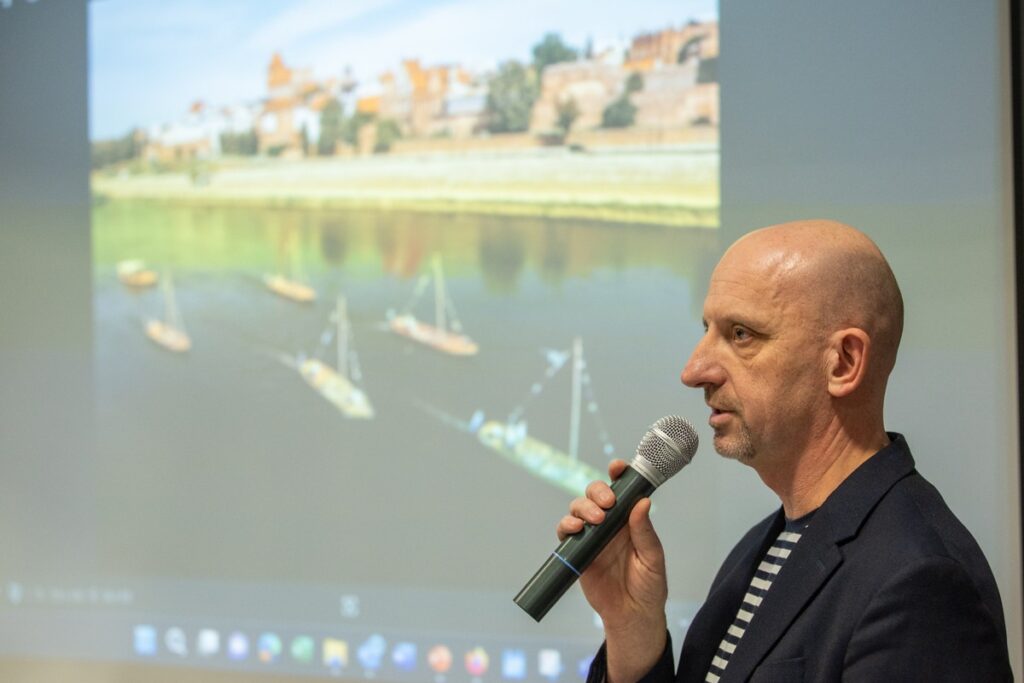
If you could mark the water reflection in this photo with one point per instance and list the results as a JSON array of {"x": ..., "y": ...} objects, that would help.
[
  {"x": 500, "y": 249},
  {"x": 233, "y": 417},
  {"x": 333, "y": 241},
  {"x": 502, "y": 254}
]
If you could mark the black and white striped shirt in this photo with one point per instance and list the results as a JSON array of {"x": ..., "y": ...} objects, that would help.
[{"x": 766, "y": 572}]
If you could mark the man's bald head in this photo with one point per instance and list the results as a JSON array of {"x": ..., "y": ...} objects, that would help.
[{"x": 839, "y": 277}]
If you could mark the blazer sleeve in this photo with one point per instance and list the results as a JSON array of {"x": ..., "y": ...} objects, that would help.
[
  {"x": 660, "y": 673},
  {"x": 928, "y": 622}
]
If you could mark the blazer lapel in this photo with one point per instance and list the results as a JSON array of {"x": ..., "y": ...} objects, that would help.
[
  {"x": 817, "y": 555},
  {"x": 813, "y": 560},
  {"x": 719, "y": 609}
]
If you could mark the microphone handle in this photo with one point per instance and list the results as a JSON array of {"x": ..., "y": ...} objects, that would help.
[{"x": 574, "y": 555}]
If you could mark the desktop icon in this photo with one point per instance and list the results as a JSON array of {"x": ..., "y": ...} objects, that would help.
[
  {"x": 144, "y": 640},
  {"x": 176, "y": 641},
  {"x": 269, "y": 648},
  {"x": 208, "y": 642},
  {"x": 549, "y": 664},
  {"x": 477, "y": 661},
  {"x": 303, "y": 649},
  {"x": 440, "y": 659},
  {"x": 513, "y": 664},
  {"x": 238, "y": 647},
  {"x": 371, "y": 652},
  {"x": 335, "y": 654},
  {"x": 403, "y": 655}
]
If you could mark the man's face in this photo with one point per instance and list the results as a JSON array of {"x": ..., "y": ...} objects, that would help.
[{"x": 761, "y": 361}]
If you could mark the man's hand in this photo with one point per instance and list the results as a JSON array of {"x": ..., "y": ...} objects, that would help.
[{"x": 626, "y": 583}]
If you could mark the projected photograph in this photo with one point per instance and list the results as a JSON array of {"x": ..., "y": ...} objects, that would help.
[{"x": 371, "y": 277}]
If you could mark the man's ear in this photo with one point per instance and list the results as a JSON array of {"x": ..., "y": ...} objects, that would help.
[{"x": 847, "y": 361}]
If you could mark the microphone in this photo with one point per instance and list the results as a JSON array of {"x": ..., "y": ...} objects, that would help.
[{"x": 666, "y": 448}]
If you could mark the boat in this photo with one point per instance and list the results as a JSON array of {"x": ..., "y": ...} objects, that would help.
[
  {"x": 292, "y": 290},
  {"x": 290, "y": 286},
  {"x": 335, "y": 384},
  {"x": 134, "y": 273},
  {"x": 169, "y": 332},
  {"x": 559, "y": 468},
  {"x": 439, "y": 335}
]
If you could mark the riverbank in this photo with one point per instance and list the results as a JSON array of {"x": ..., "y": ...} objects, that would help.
[{"x": 674, "y": 187}]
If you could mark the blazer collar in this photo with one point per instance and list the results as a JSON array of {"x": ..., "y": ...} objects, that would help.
[{"x": 816, "y": 555}]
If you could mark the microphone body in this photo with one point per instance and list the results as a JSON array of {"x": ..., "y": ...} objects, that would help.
[
  {"x": 664, "y": 450},
  {"x": 576, "y": 552}
]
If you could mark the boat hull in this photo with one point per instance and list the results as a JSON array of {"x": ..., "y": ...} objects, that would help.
[
  {"x": 441, "y": 340},
  {"x": 338, "y": 390},
  {"x": 538, "y": 458},
  {"x": 167, "y": 336},
  {"x": 289, "y": 289}
]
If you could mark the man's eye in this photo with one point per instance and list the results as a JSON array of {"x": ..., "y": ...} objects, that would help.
[{"x": 740, "y": 334}]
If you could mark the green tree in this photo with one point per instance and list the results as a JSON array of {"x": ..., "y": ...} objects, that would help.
[
  {"x": 635, "y": 83},
  {"x": 568, "y": 112},
  {"x": 107, "y": 152},
  {"x": 239, "y": 144},
  {"x": 387, "y": 132},
  {"x": 510, "y": 97},
  {"x": 330, "y": 127},
  {"x": 619, "y": 114},
  {"x": 551, "y": 50},
  {"x": 350, "y": 129}
]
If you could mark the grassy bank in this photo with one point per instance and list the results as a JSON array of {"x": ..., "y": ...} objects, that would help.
[{"x": 676, "y": 188}]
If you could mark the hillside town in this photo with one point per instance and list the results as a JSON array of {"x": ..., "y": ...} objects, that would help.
[{"x": 661, "y": 88}]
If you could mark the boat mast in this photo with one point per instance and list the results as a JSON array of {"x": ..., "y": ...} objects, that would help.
[
  {"x": 342, "y": 333},
  {"x": 172, "y": 316},
  {"x": 439, "y": 295},
  {"x": 574, "y": 413}
]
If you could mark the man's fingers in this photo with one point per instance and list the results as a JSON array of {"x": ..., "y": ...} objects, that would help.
[
  {"x": 586, "y": 510},
  {"x": 641, "y": 530},
  {"x": 616, "y": 467},
  {"x": 601, "y": 493},
  {"x": 567, "y": 526}
]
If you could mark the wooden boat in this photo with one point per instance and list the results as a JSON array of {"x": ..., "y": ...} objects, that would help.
[
  {"x": 560, "y": 468},
  {"x": 335, "y": 384},
  {"x": 439, "y": 336},
  {"x": 134, "y": 273},
  {"x": 170, "y": 332},
  {"x": 289, "y": 289}
]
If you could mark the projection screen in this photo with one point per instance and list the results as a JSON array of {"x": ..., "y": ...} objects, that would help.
[{"x": 316, "y": 315}]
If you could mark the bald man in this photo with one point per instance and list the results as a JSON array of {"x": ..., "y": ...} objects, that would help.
[{"x": 864, "y": 574}]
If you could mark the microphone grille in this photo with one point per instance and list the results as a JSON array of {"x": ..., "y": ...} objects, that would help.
[{"x": 669, "y": 445}]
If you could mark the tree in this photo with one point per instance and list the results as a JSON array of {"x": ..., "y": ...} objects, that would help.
[
  {"x": 551, "y": 50},
  {"x": 622, "y": 113},
  {"x": 350, "y": 127},
  {"x": 568, "y": 112},
  {"x": 387, "y": 132},
  {"x": 108, "y": 152},
  {"x": 510, "y": 97},
  {"x": 635, "y": 83},
  {"x": 330, "y": 127},
  {"x": 240, "y": 144},
  {"x": 619, "y": 114}
]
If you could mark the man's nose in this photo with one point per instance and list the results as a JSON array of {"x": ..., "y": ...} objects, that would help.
[{"x": 699, "y": 370}]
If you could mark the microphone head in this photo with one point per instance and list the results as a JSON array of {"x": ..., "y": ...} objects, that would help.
[{"x": 667, "y": 447}]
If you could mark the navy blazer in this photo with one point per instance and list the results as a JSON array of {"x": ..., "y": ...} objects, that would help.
[{"x": 885, "y": 584}]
